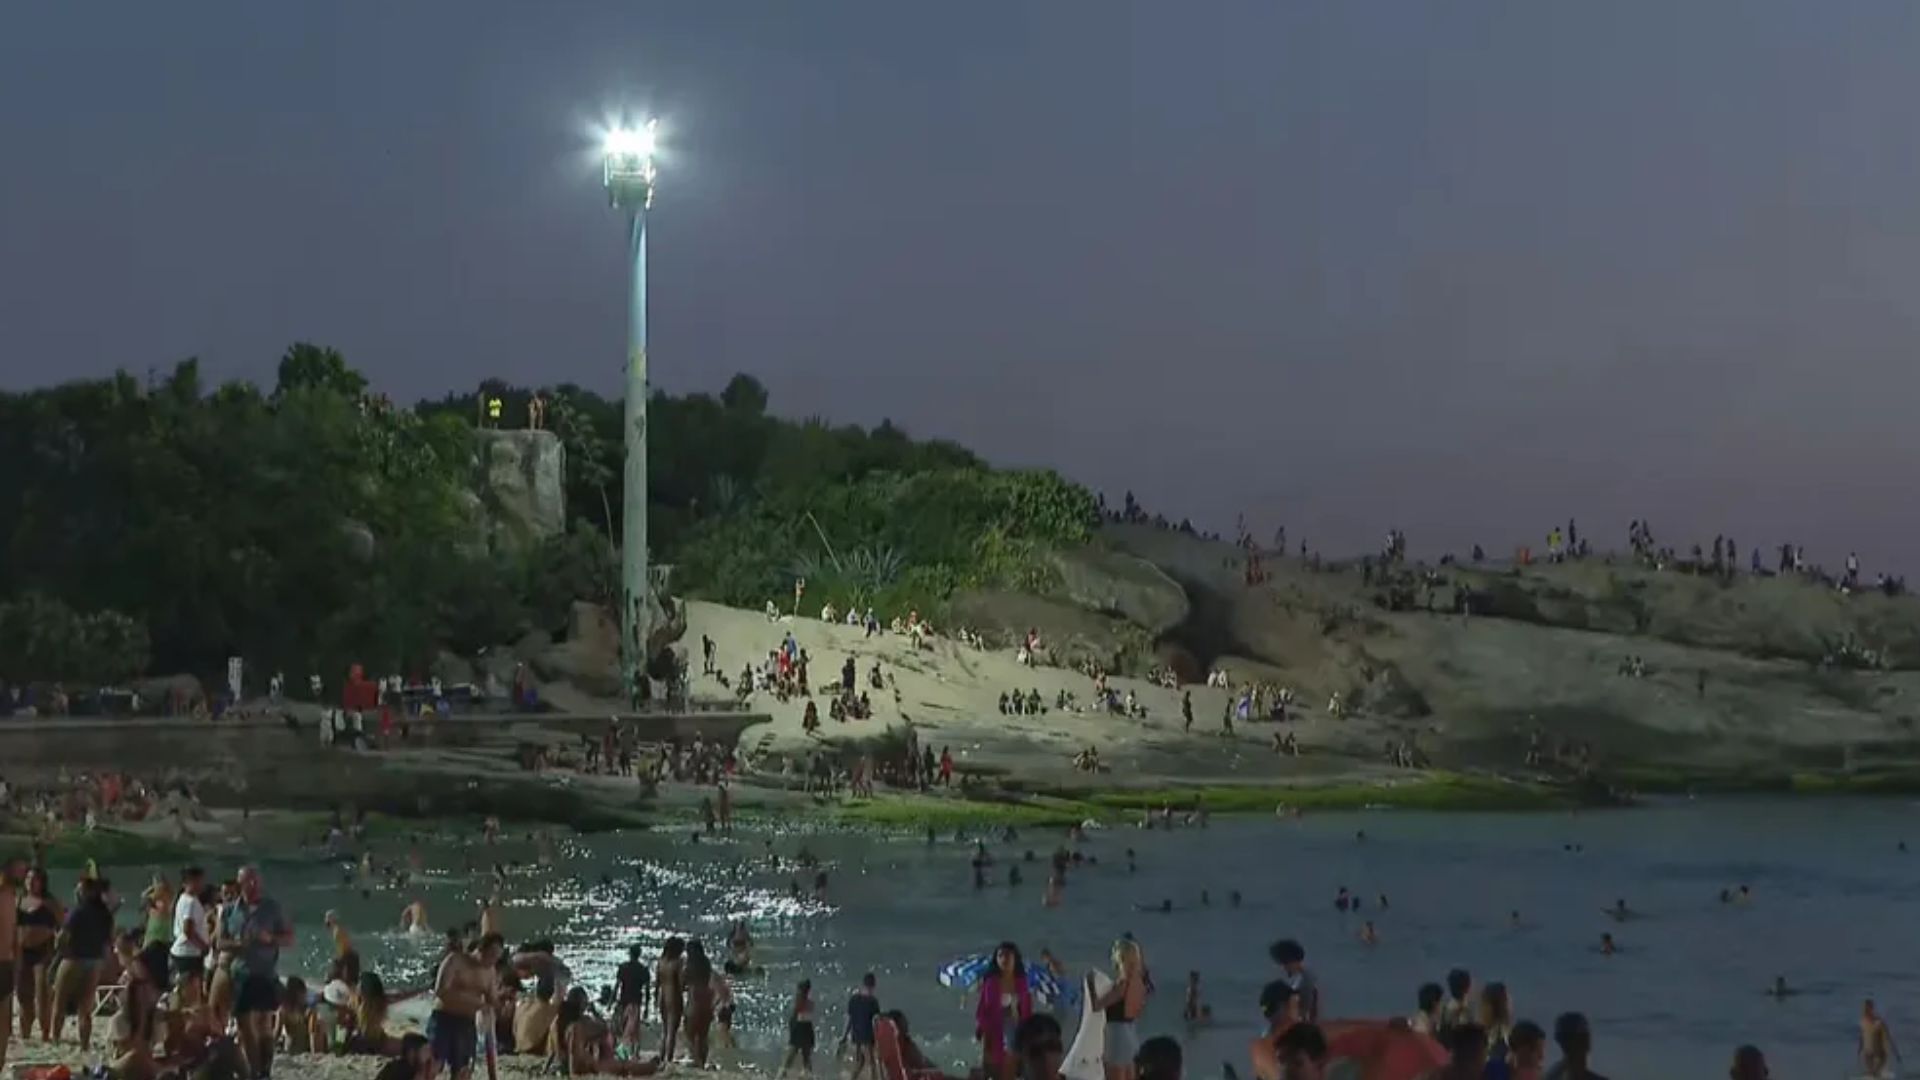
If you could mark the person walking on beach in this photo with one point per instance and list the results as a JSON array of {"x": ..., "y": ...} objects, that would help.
[
  {"x": 463, "y": 986},
  {"x": 631, "y": 983},
  {"x": 1876, "y": 1042},
  {"x": 863, "y": 1007},
  {"x": 800, "y": 1034},
  {"x": 259, "y": 930}
]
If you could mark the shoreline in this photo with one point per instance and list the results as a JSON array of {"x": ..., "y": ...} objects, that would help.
[{"x": 270, "y": 831}]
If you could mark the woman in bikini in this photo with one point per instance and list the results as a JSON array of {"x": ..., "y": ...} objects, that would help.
[{"x": 39, "y": 923}]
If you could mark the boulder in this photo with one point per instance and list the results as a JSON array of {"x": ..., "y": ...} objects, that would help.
[
  {"x": 360, "y": 540},
  {"x": 450, "y": 668},
  {"x": 590, "y": 656},
  {"x": 159, "y": 687},
  {"x": 1121, "y": 585},
  {"x": 1070, "y": 633},
  {"x": 530, "y": 645},
  {"x": 523, "y": 474}
]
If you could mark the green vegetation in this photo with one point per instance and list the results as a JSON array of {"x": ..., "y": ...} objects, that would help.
[
  {"x": 162, "y": 525},
  {"x": 745, "y": 503}
]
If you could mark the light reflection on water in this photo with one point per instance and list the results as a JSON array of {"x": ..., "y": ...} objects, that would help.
[{"x": 1830, "y": 912}]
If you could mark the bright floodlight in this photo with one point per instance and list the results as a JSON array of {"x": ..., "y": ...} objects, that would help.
[
  {"x": 630, "y": 142},
  {"x": 627, "y": 165}
]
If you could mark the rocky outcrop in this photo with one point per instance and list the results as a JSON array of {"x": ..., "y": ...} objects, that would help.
[
  {"x": 523, "y": 478},
  {"x": 1122, "y": 585},
  {"x": 589, "y": 657},
  {"x": 1071, "y": 634}
]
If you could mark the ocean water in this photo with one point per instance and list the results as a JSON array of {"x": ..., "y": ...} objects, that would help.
[{"x": 1831, "y": 896}]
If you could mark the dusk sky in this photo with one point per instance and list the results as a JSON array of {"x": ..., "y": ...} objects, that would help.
[{"x": 1464, "y": 268}]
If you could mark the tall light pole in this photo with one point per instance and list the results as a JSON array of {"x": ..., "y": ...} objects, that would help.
[{"x": 627, "y": 171}]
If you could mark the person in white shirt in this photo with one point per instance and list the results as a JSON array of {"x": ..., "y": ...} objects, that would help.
[{"x": 187, "y": 958}]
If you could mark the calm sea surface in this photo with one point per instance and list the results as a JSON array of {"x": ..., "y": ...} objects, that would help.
[{"x": 1832, "y": 893}]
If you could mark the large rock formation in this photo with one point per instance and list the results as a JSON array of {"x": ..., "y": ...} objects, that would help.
[
  {"x": 1651, "y": 667},
  {"x": 1072, "y": 634},
  {"x": 1122, "y": 585},
  {"x": 523, "y": 477}
]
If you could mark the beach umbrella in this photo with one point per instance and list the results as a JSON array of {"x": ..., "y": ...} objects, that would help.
[
  {"x": 967, "y": 971},
  {"x": 1381, "y": 1050}
]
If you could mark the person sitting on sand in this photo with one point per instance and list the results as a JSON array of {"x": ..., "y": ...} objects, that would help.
[
  {"x": 370, "y": 1035},
  {"x": 133, "y": 1023},
  {"x": 413, "y": 1062},
  {"x": 586, "y": 1042},
  {"x": 297, "y": 1022},
  {"x": 533, "y": 1019}
]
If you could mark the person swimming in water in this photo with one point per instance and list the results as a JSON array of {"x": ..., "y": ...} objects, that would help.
[
  {"x": 1607, "y": 947},
  {"x": 1619, "y": 912},
  {"x": 1343, "y": 902},
  {"x": 413, "y": 918},
  {"x": 1368, "y": 935},
  {"x": 1780, "y": 989}
]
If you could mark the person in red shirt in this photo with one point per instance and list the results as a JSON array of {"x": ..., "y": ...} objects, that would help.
[{"x": 946, "y": 766}]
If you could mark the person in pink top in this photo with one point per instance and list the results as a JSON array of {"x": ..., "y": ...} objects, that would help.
[{"x": 1005, "y": 1000}]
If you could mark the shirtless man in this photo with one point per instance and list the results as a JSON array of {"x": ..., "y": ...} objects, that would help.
[
  {"x": 12, "y": 873},
  {"x": 1876, "y": 1042},
  {"x": 463, "y": 986}
]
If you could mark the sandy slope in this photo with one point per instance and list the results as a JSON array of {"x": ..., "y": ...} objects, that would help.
[{"x": 950, "y": 693}]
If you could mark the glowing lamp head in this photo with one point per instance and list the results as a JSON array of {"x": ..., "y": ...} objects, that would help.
[
  {"x": 627, "y": 165},
  {"x": 629, "y": 142}
]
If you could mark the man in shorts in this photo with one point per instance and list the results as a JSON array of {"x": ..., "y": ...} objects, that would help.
[
  {"x": 187, "y": 957},
  {"x": 12, "y": 873},
  {"x": 463, "y": 987},
  {"x": 257, "y": 930}
]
